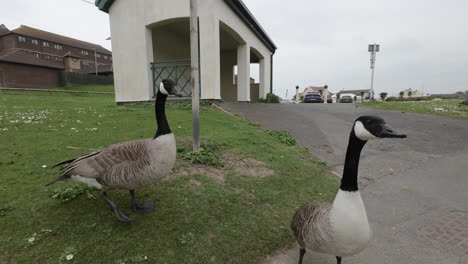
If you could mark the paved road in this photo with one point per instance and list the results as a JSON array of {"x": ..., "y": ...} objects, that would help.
[{"x": 415, "y": 189}]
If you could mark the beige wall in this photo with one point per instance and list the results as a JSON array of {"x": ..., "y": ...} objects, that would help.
[
  {"x": 133, "y": 24},
  {"x": 228, "y": 89}
]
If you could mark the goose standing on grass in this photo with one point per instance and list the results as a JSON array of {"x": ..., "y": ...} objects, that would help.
[
  {"x": 131, "y": 164},
  {"x": 341, "y": 228}
]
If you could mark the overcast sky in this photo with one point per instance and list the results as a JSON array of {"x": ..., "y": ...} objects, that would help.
[{"x": 423, "y": 43}]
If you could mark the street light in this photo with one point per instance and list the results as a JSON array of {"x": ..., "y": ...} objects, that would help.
[
  {"x": 95, "y": 59},
  {"x": 373, "y": 49},
  {"x": 297, "y": 94},
  {"x": 325, "y": 94}
]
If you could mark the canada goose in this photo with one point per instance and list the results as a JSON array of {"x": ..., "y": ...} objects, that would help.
[
  {"x": 341, "y": 228},
  {"x": 131, "y": 164}
]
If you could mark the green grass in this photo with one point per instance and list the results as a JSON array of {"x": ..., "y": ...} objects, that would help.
[
  {"x": 447, "y": 107},
  {"x": 239, "y": 221}
]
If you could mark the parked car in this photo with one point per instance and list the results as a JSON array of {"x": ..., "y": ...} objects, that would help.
[
  {"x": 313, "y": 97},
  {"x": 346, "y": 99}
]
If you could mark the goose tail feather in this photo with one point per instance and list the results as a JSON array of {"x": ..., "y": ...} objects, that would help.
[
  {"x": 61, "y": 178},
  {"x": 63, "y": 162}
]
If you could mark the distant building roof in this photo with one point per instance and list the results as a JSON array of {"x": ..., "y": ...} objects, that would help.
[
  {"x": 314, "y": 89},
  {"x": 27, "y": 57},
  {"x": 355, "y": 92},
  {"x": 3, "y": 30},
  {"x": 236, "y": 5},
  {"x": 44, "y": 35}
]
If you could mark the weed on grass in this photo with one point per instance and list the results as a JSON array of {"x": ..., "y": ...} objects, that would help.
[
  {"x": 283, "y": 136},
  {"x": 204, "y": 156},
  {"x": 68, "y": 193},
  {"x": 4, "y": 209}
]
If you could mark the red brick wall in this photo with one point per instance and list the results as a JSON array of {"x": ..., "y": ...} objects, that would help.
[{"x": 25, "y": 76}]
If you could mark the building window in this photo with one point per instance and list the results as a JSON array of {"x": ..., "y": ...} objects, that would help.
[
  {"x": 105, "y": 57},
  {"x": 34, "y": 41},
  {"x": 45, "y": 44},
  {"x": 84, "y": 52},
  {"x": 85, "y": 63},
  {"x": 21, "y": 39},
  {"x": 58, "y": 46},
  {"x": 98, "y": 55},
  {"x": 47, "y": 57},
  {"x": 35, "y": 54},
  {"x": 59, "y": 59}
]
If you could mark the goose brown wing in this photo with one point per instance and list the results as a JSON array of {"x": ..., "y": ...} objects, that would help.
[
  {"x": 94, "y": 164},
  {"x": 311, "y": 222}
]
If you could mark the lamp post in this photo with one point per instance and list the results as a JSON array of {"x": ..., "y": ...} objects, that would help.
[
  {"x": 297, "y": 94},
  {"x": 194, "y": 76},
  {"x": 95, "y": 60},
  {"x": 373, "y": 49},
  {"x": 325, "y": 94}
]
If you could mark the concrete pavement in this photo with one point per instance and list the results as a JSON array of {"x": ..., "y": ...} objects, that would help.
[{"x": 415, "y": 189}]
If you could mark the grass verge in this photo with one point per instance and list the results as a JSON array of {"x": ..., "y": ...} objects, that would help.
[
  {"x": 239, "y": 221},
  {"x": 447, "y": 107}
]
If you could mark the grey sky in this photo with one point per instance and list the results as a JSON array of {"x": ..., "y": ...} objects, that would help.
[{"x": 423, "y": 43}]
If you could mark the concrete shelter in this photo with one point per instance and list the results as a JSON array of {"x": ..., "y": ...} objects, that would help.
[{"x": 157, "y": 33}]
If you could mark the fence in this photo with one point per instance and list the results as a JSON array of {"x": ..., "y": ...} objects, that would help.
[{"x": 178, "y": 70}]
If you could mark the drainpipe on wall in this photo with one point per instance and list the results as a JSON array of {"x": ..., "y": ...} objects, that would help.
[{"x": 271, "y": 73}]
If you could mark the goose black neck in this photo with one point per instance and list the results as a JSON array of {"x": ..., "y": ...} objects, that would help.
[
  {"x": 160, "y": 109},
  {"x": 349, "y": 181}
]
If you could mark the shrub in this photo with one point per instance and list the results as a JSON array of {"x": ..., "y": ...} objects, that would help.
[{"x": 270, "y": 98}]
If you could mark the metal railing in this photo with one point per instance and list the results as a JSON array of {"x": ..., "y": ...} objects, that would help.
[{"x": 178, "y": 70}]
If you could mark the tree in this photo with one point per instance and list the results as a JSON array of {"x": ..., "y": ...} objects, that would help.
[
  {"x": 401, "y": 94},
  {"x": 338, "y": 96},
  {"x": 383, "y": 96},
  {"x": 362, "y": 96},
  {"x": 410, "y": 93}
]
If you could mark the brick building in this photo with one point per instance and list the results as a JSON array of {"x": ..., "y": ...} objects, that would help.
[{"x": 33, "y": 58}]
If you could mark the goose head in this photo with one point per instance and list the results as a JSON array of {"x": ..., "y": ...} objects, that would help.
[
  {"x": 167, "y": 86},
  {"x": 373, "y": 127}
]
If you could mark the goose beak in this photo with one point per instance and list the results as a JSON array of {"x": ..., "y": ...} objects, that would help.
[
  {"x": 387, "y": 132},
  {"x": 174, "y": 92}
]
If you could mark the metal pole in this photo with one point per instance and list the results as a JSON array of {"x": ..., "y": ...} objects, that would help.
[
  {"x": 194, "y": 74},
  {"x": 372, "y": 85},
  {"x": 95, "y": 60}
]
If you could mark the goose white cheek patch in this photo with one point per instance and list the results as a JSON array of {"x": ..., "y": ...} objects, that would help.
[
  {"x": 162, "y": 89},
  {"x": 361, "y": 132}
]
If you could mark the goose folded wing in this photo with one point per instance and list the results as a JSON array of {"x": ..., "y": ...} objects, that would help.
[{"x": 94, "y": 164}]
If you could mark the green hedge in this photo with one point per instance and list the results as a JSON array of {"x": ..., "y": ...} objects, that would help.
[{"x": 70, "y": 78}]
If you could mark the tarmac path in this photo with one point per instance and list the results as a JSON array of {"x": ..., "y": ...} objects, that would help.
[{"x": 415, "y": 189}]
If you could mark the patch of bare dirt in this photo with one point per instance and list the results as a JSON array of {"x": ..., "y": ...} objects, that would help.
[
  {"x": 249, "y": 167},
  {"x": 201, "y": 169},
  {"x": 194, "y": 183}
]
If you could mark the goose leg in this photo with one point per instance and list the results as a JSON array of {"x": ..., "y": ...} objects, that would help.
[
  {"x": 118, "y": 213},
  {"x": 301, "y": 254},
  {"x": 338, "y": 260},
  {"x": 143, "y": 208}
]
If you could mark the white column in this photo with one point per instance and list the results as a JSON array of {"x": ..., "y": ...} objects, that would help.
[
  {"x": 209, "y": 57},
  {"x": 264, "y": 77},
  {"x": 243, "y": 73}
]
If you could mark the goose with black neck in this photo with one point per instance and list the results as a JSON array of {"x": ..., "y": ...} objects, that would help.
[
  {"x": 341, "y": 228},
  {"x": 131, "y": 164}
]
